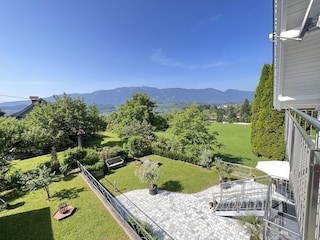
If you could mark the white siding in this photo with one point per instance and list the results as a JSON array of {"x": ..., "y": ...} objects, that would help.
[
  {"x": 301, "y": 66},
  {"x": 297, "y": 63}
]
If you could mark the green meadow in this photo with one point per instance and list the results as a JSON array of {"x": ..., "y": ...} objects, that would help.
[{"x": 236, "y": 143}]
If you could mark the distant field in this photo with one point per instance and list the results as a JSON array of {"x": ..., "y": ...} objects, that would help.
[{"x": 236, "y": 141}]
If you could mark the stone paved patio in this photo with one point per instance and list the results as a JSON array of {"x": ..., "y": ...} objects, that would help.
[{"x": 183, "y": 216}]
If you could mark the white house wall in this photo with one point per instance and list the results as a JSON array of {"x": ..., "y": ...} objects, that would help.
[{"x": 297, "y": 63}]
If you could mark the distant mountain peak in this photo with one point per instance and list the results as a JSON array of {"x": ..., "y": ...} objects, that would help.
[{"x": 119, "y": 95}]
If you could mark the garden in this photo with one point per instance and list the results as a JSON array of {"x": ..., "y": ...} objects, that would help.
[{"x": 185, "y": 147}]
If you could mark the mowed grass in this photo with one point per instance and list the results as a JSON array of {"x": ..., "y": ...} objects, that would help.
[
  {"x": 31, "y": 214},
  {"x": 236, "y": 139},
  {"x": 175, "y": 176},
  {"x": 28, "y": 164}
]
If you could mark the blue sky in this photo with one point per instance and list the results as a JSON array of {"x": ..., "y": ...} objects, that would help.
[{"x": 50, "y": 47}]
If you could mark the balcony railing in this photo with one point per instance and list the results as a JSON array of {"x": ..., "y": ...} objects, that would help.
[{"x": 302, "y": 148}]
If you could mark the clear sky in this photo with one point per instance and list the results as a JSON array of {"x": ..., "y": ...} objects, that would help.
[{"x": 50, "y": 47}]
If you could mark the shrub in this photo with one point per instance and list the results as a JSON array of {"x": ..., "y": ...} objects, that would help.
[
  {"x": 95, "y": 167},
  {"x": 109, "y": 152},
  {"x": 206, "y": 158},
  {"x": 138, "y": 146},
  {"x": 64, "y": 168},
  {"x": 141, "y": 227},
  {"x": 72, "y": 155},
  {"x": 54, "y": 162},
  {"x": 91, "y": 158},
  {"x": 176, "y": 155},
  {"x": 13, "y": 179}
]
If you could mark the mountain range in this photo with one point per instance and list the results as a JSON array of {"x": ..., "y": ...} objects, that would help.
[{"x": 118, "y": 96}]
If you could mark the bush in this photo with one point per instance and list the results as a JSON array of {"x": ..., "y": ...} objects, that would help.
[
  {"x": 72, "y": 155},
  {"x": 54, "y": 162},
  {"x": 110, "y": 152},
  {"x": 176, "y": 155},
  {"x": 64, "y": 168},
  {"x": 138, "y": 146},
  {"x": 206, "y": 158},
  {"x": 141, "y": 227},
  {"x": 95, "y": 167},
  {"x": 13, "y": 179},
  {"x": 91, "y": 158}
]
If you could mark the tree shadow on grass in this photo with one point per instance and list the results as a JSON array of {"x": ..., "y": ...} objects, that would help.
[
  {"x": 230, "y": 158},
  {"x": 69, "y": 177},
  {"x": 172, "y": 186},
  {"x": 13, "y": 194},
  {"x": 17, "y": 205},
  {"x": 70, "y": 193},
  {"x": 93, "y": 141},
  {"x": 118, "y": 143}
]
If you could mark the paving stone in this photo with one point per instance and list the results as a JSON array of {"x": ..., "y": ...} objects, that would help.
[{"x": 183, "y": 216}]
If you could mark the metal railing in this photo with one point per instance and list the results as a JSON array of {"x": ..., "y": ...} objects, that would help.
[
  {"x": 280, "y": 221},
  {"x": 138, "y": 225},
  {"x": 242, "y": 196},
  {"x": 304, "y": 157},
  {"x": 254, "y": 188}
]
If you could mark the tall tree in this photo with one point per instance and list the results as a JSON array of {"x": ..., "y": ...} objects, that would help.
[
  {"x": 11, "y": 130},
  {"x": 137, "y": 109},
  {"x": 190, "y": 132},
  {"x": 267, "y": 124},
  {"x": 59, "y": 123},
  {"x": 220, "y": 114},
  {"x": 245, "y": 111}
]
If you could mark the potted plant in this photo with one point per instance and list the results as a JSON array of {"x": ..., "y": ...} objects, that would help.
[{"x": 149, "y": 172}]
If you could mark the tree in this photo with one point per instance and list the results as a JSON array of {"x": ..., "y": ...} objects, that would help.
[
  {"x": 38, "y": 178},
  {"x": 232, "y": 115},
  {"x": 220, "y": 114},
  {"x": 267, "y": 135},
  {"x": 245, "y": 111},
  {"x": 137, "y": 109},
  {"x": 94, "y": 121},
  {"x": 54, "y": 161},
  {"x": 60, "y": 123},
  {"x": 135, "y": 128},
  {"x": 11, "y": 139},
  {"x": 148, "y": 172},
  {"x": 190, "y": 132}
]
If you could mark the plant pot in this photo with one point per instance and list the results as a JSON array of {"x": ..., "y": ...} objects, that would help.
[{"x": 153, "y": 190}]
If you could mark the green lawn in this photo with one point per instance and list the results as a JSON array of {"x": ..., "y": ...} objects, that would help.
[
  {"x": 236, "y": 141},
  {"x": 30, "y": 214},
  {"x": 176, "y": 176},
  {"x": 28, "y": 164}
]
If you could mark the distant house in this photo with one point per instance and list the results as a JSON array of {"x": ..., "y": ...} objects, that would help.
[{"x": 24, "y": 112}]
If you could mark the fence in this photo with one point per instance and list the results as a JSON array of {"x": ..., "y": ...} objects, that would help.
[
  {"x": 304, "y": 157},
  {"x": 139, "y": 226},
  {"x": 239, "y": 170}
]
